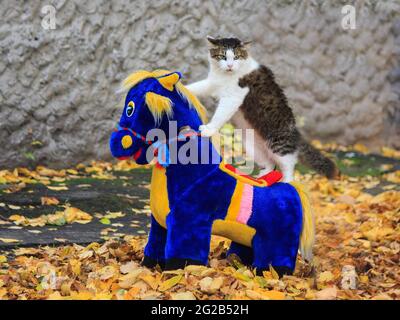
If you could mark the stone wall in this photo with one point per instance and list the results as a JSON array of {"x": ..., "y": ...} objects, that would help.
[{"x": 57, "y": 87}]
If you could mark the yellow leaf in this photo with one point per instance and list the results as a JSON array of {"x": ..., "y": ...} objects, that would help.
[
  {"x": 275, "y": 275},
  {"x": 106, "y": 272},
  {"x": 326, "y": 294},
  {"x": 103, "y": 296},
  {"x": 151, "y": 281},
  {"x": 210, "y": 285},
  {"x": 187, "y": 295},
  {"x": 72, "y": 214},
  {"x": 17, "y": 219},
  {"x": 3, "y": 292},
  {"x": 195, "y": 269},
  {"x": 273, "y": 295},
  {"x": 49, "y": 201},
  {"x": 3, "y": 259},
  {"x": 128, "y": 280},
  {"x": 349, "y": 217},
  {"x": 241, "y": 276},
  {"x": 360, "y": 148},
  {"x": 57, "y": 188},
  {"x": 168, "y": 284},
  {"x": 254, "y": 295},
  {"x": 8, "y": 240},
  {"x": 267, "y": 275},
  {"x": 378, "y": 233},
  {"x": 26, "y": 251},
  {"x": 81, "y": 295},
  {"x": 72, "y": 171},
  {"x": 14, "y": 207},
  {"x": 129, "y": 267},
  {"x": 113, "y": 215},
  {"x": 75, "y": 266},
  {"x": 326, "y": 276},
  {"x": 43, "y": 171},
  {"x": 391, "y": 153},
  {"x": 364, "y": 279},
  {"x": 55, "y": 296},
  {"x": 309, "y": 295}
]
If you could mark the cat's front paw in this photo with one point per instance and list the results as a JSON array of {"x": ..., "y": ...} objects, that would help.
[{"x": 207, "y": 130}]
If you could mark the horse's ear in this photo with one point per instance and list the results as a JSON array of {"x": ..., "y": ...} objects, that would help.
[{"x": 169, "y": 80}]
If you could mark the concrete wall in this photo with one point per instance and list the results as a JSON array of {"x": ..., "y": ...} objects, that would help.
[{"x": 57, "y": 87}]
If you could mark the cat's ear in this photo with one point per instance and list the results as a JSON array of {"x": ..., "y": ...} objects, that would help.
[
  {"x": 212, "y": 40},
  {"x": 246, "y": 43}
]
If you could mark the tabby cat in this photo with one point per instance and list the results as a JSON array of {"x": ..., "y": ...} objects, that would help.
[{"x": 248, "y": 94}]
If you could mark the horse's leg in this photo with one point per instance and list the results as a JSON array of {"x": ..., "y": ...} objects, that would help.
[
  {"x": 188, "y": 236},
  {"x": 281, "y": 254},
  {"x": 244, "y": 253},
  {"x": 154, "y": 252}
]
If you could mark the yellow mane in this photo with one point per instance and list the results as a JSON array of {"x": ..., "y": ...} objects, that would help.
[{"x": 140, "y": 75}]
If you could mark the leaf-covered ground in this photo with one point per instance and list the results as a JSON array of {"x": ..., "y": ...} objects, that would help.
[{"x": 91, "y": 245}]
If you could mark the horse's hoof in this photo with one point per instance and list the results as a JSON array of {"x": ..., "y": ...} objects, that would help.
[
  {"x": 177, "y": 263},
  {"x": 281, "y": 271},
  {"x": 152, "y": 263}
]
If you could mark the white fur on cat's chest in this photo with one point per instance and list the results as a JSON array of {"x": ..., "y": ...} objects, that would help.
[{"x": 229, "y": 88}]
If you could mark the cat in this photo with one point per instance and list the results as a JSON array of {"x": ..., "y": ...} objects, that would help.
[{"x": 248, "y": 94}]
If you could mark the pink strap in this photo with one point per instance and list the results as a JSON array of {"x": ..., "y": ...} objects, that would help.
[{"x": 246, "y": 205}]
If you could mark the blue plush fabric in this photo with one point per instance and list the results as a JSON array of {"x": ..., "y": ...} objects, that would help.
[
  {"x": 277, "y": 217},
  {"x": 208, "y": 196},
  {"x": 155, "y": 248},
  {"x": 199, "y": 194},
  {"x": 244, "y": 253}
]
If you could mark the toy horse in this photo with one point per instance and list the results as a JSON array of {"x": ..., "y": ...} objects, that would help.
[{"x": 267, "y": 222}]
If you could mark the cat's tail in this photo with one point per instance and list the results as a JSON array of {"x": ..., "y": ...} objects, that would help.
[{"x": 316, "y": 160}]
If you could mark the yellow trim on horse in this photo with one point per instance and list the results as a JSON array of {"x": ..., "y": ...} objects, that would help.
[
  {"x": 233, "y": 230},
  {"x": 243, "y": 179},
  {"x": 307, "y": 236},
  {"x": 234, "y": 207},
  {"x": 159, "y": 203}
]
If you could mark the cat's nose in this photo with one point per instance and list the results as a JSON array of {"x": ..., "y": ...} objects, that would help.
[{"x": 230, "y": 65}]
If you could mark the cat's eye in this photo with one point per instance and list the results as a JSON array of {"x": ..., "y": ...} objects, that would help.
[
  {"x": 130, "y": 109},
  {"x": 221, "y": 57}
]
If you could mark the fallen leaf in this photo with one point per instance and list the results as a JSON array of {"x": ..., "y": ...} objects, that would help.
[
  {"x": 168, "y": 284},
  {"x": 57, "y": 188},
  {"x": 326, "y": 294},
  {"x": 187, "y": 295},
  {"x": 8, "y": 240},
  {"x": 210, "y": 285},
  {"x": 326, "y": 276},
  {"x": 105, "y": 221},
  {"x": 49, "y": 201}
]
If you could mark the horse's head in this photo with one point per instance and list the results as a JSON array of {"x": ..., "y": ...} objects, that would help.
[{"x": 153, "y": 100}]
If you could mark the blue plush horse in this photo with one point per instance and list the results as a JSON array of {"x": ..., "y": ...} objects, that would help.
[{"x": 267, "y": 222}]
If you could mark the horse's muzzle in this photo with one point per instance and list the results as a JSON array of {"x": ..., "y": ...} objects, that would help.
[{"x": 122, "y": 144}]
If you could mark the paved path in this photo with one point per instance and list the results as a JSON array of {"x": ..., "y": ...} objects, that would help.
[{"x": 128, "y": 194}]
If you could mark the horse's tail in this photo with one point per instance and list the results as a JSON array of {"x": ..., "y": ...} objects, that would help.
[{"x": 308, "y": 232}]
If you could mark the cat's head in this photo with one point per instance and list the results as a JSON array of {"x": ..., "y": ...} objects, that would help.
[{"x": 228, "y": 54}]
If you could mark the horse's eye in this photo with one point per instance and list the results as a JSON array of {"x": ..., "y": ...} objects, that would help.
[{"x": 130, "y": 109}]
